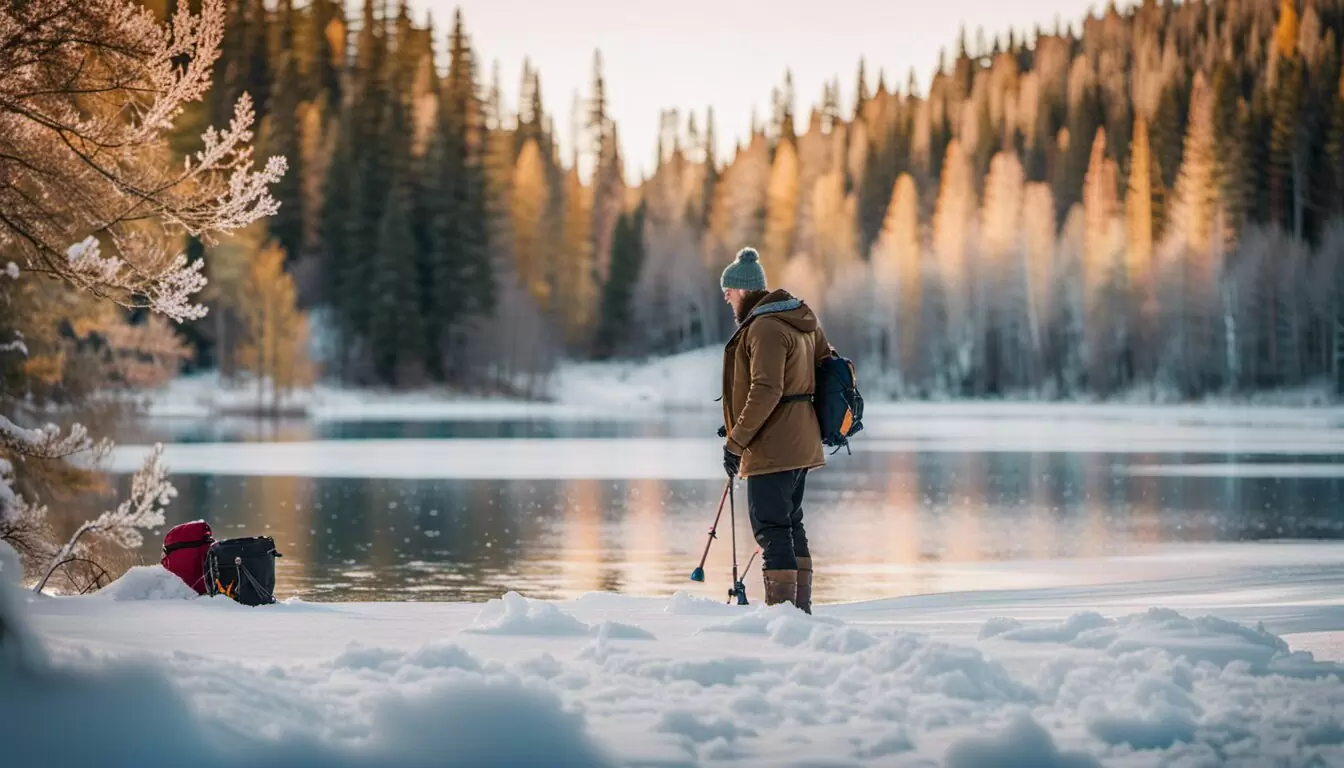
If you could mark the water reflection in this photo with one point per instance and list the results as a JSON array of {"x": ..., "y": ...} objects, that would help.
[
  {"x": 228, "y": 429},
  {"x": 880, "y": 524}
]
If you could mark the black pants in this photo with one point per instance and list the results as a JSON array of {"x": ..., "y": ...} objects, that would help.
[{"x": 775, "y": 506}]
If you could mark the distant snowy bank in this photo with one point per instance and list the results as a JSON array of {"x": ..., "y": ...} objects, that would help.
[
  {"x": 145, "y": 679},
  {"x": 633, "y": 389}
]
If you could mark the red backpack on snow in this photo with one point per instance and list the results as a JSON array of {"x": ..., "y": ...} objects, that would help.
[{"x": 184, "y": 550}]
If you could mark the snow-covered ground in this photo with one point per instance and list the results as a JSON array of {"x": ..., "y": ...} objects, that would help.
[
  {"x": 579, "y": 390},
  {"x": 205, "y": 396},
  {"x": 1160, "y": 660},
  {"x": 686, "y": 381}
]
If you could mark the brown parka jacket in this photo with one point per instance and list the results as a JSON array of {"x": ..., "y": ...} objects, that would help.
[{"x": 773, "y": 354}]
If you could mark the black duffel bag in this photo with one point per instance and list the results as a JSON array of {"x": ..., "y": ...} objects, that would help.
[{"x": 242, "y": 569}]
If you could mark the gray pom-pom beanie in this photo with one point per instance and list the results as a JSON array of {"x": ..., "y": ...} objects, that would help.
[{"x": 745, "y": 272}]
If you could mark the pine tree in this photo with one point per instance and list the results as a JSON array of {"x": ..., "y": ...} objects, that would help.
[
  {"x": 366, "y": 173},
  {"x": 1165, "y": 135},
  {"x": 711, "y": 177},
  {"x": 1315, "y": 173},
  {"x": 395, "y": 327},
  {"x": 1287, "y": 98},
  {"x": 627, "y": 260},
  {"x": 1084, "y": 119},
  {"x": 497, "y": 170},
  {"x": 860, "y": 92},
  {"x": 1038, "y": 219},
  {"x": 1001, "y": 299},
  {"x": 782, "y": 122},
  {"x": 1103, "y": 244},
  {"x": 1196, "y": 198},
  {"x": 316, "y": 151},
  {"x": 953, "y": 231},
  {"x": 256, "y": 55},
  {"x": 528, "y": 203},
  {"x": 608, "y": 185},
  {"x": 1139, "y": 213},
  {"x": 1100, "y": 209},
  {"x": 281, "y": 130},
  {"x": 1231, "y": 152},
  {"x": 576, "y": 293},
  {"x": 897, "y": 267},
  {"x": 737, "y": 215},
  {"x": 454, "y": 235},
  {"x": 781, "y": 207},
  {"x": 324, "y": 39},
  {"x": 396, "y": 331},
  {"x": 1334, "y": 153},
  {"x": 952, "y": 220},
  {"x": 229, "y": 72}
]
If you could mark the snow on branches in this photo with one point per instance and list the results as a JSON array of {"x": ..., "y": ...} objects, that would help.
[
  {"x": 150, "y": 493},
  {"x": 88, "y": 94},
  {"x": 23, "y": 523}
]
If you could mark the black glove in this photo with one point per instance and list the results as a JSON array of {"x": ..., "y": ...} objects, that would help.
[
  {"x": 731, "y": 462},
  {"x": 723, "y": 431}
]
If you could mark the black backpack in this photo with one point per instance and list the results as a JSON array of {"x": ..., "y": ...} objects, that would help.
[
  {"x": 242, "y": 569},
  {"x": 837, "y": 401}
]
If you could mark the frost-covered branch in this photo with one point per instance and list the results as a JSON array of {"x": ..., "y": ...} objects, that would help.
[
  {"x": 23, "y": 524},
  {"x": 89, "y": 92},
  {"x": 150, "y": 493},
  {"x": 45, "y": 442}
]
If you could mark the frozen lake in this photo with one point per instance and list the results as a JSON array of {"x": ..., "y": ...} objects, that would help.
[{"x": 554, "y": 505}]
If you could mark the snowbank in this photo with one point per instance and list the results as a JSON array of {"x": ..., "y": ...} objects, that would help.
[
  {"x": 690, "y": 381},
  {"x": 1030, "y": 678},
  {"x": 205, "y": 395},
  {"x": 147, "y": 582},
  {"x": 687, "y": 381}
]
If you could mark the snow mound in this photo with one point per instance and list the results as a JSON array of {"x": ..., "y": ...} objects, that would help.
[
  {"x": 11, "y": 569},
  {"x": 772, "y": 619},
  {"x": 619, "y": 631},
  {"x": 1068, "y": 631},
  {"x": 889, "y": 743},
  {"x": 517, "y": 615},
  {"x": 998, "y": 626},
  {"x": 787, "y": 626},
  {"x": 480, "y": 722},
  {"x": 685, "y": 604},
  {"x": 708, "y": 673},
  {"x": 914, "y": 662},
  {"x": 699, "y": 728},
  {"x": 1205, "y": 639},
  {"x": 1023, "y": 744},
  {"x": 148, "y": 582}
]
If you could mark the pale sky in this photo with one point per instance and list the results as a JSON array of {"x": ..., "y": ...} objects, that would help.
[{"x": 690, "y": 54}]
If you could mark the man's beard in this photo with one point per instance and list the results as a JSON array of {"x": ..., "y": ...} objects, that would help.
[{"x": 748, "y": 303}]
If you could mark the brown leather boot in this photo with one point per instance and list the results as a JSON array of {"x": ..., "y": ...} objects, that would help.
[
  {"x": 804, "y": 594},
  {"x": 780, "y": 586}
]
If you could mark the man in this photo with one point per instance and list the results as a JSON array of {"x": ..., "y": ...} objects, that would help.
[{"x": 769, "y": 371}]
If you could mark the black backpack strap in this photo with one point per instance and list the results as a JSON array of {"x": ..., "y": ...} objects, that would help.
[
  {"x": 266, "y": 595},
  {"x": 168, "y": 549}
]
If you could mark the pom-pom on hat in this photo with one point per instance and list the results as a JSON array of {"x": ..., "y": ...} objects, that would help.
[{"x": 745, "y": 272}]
